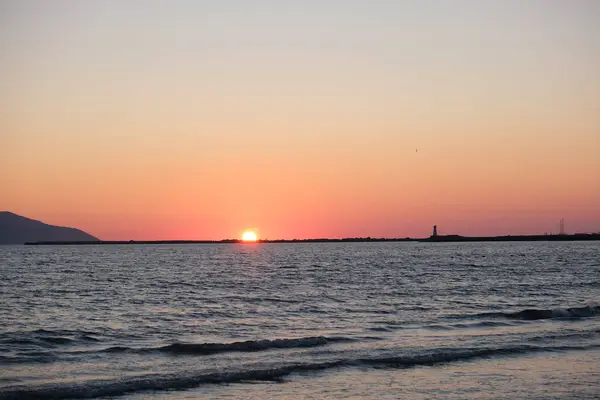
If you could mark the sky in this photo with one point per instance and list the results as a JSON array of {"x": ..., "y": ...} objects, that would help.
[{"x": 332, "y": 118}]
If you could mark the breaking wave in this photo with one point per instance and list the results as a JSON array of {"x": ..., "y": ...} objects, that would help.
[
  {"x": 245, "y": 346},
  {"x": 105, "y": 388}
]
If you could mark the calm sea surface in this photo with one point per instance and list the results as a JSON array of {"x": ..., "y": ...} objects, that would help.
[{"x": 301, "y": 321}]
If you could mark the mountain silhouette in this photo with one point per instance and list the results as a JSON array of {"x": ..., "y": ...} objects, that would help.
[{"x": 15, "y": 229}]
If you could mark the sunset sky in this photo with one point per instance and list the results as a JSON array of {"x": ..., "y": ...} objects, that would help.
[{"x": 330, "y": 118}]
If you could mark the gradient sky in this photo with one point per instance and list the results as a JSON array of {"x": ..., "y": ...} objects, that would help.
[{"x": 329, "y": 118}]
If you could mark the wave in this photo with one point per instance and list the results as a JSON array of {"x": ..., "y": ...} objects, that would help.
[
  {"x": 105, "y": 388},
  {"x": 480, "y": 324},
  {"x": 247, "y": 299},
  {"x": 37, "y": 358},
  {"x": 585, "y": 334},
  {"x": 57, "y": 340},
  {"x": 46, "y": 338},
  {"x": 245, "y": 346},
  {"x": 574, "y": 312},
  {"x": 532, "y": 314},
  {"x": 381, "y": 329},
  {"x": 47, "y": 343}
]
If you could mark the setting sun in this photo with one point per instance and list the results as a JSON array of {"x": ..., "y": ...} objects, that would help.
[{"x": 249, "y": 236}]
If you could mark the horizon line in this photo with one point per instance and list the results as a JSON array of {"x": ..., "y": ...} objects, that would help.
[{"x": 432, "y": 238}]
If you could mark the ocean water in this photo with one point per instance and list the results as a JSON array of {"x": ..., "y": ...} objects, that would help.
[{"x": 301, "y": 321}]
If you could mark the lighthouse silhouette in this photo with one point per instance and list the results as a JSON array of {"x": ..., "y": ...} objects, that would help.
[{"x": 434, "y": 231}]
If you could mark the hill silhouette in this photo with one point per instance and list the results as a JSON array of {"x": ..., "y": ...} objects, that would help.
[{"x": 15, "y": 229}]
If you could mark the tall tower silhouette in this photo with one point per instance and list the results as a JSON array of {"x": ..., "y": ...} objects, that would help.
[
  {"x": 434, "y": 231},
  {"x": 562, "y": 226}
]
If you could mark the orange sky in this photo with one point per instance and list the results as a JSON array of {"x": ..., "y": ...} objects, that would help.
[{"x": 330, "y": 119}]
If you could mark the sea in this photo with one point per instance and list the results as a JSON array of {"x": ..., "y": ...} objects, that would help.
[{"x": 301, "y": 321}]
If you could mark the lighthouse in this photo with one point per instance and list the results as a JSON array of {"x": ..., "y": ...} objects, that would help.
[{"x": 434, "y": 231}]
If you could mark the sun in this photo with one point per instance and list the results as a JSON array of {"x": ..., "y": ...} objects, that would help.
[{"x": 249, "y": 236}]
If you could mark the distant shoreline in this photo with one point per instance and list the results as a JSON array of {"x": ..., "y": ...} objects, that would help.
[
  {"x": 515, "y": 238},
  {"x": 432, "y": 239}
]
